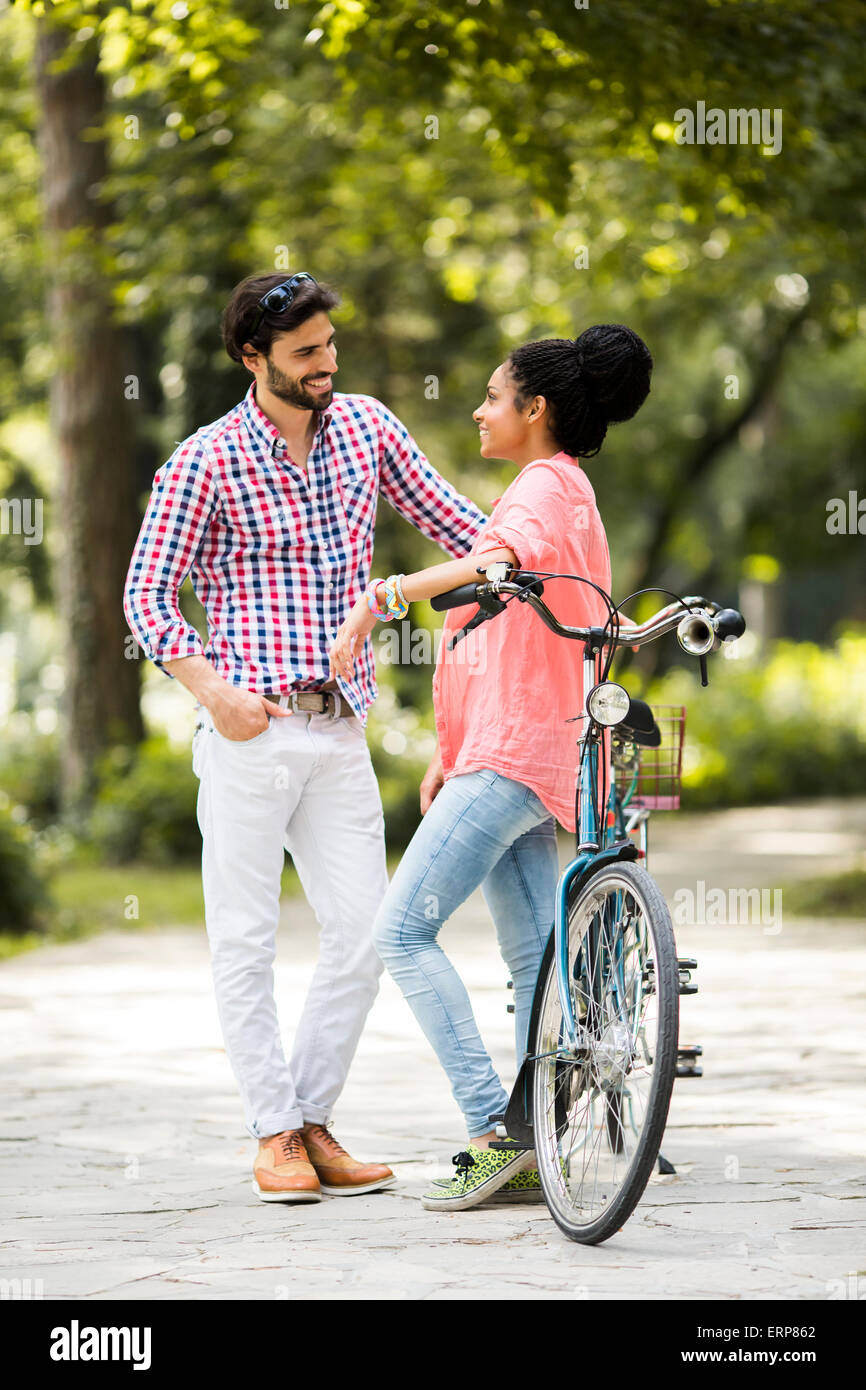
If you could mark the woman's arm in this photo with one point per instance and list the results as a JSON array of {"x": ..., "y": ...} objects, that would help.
[
  {"x": 423, "y": 584},
  {"x": 438, "y": 579}
]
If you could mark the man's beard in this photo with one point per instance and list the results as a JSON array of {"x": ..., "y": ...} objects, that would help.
[{"x": 292, "y": 392}]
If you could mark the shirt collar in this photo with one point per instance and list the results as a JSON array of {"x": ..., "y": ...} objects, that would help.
[{"x": 264, "y": 431}]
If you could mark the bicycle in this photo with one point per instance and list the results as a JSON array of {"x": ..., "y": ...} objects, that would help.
[{"x": 593, "y": 1091}]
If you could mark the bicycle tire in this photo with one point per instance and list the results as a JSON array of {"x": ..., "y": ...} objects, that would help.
[{"x": 548, "y": 1112}]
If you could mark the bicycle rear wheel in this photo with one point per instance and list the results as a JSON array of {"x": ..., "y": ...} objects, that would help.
[{"x": 599, "y": 1113}]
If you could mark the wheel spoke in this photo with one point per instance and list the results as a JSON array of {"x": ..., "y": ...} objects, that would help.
[{"x": 592, "y": 1113}]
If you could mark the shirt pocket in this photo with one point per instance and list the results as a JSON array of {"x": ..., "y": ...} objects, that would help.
[
  {"x": 264, "y": 520},
  {"x": 359, "y": 494}
]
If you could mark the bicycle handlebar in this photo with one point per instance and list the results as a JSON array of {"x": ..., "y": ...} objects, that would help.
[
  {"x": 455, "y": 598},
  {"x": 490, "y": 593}
]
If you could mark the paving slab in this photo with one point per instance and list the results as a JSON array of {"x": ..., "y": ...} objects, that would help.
[{"x": 125, "y": 1167}]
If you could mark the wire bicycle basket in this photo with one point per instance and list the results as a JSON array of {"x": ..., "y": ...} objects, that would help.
[{"x": 650, "y": 778}]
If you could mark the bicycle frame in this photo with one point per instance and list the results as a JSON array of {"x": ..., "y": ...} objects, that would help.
[
  {"x": 594, "y": 846},
  {"x": 596, "y": 843}
]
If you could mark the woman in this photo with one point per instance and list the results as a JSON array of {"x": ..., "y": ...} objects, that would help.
[{"x": 506, "y": 767}]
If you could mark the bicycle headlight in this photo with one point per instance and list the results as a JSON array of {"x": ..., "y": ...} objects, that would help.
[{"x": 608, "y": 703}]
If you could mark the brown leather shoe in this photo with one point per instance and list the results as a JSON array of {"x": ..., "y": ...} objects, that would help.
[
  {"x": 282, "y": 1171},
  {"x": 341, "y": 1175}
]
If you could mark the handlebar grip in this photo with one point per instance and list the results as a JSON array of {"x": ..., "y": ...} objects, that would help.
[
  {"x": 455, "y": 598},
  {"x": 467, "y": 593}
]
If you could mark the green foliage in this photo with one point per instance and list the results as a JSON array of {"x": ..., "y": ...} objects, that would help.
[
  {"x": 399, "y": 784},
  {"x": 145, "y": 808},
  {"x": 263, "y": 133},
  {"x": 830, "y": 895},
  {"x": 791, "y": 726},
  {"x": 245, "y": 136},
  {"x": 97, "y": 895},
  {"x": 29, "y": 776},
  {"x": 24, "y": 899}
]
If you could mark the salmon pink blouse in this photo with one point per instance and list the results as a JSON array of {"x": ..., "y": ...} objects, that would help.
[{"x": 503, "y": 695}]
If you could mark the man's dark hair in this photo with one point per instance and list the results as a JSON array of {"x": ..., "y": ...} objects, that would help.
[{"x": 243, "y": 308}]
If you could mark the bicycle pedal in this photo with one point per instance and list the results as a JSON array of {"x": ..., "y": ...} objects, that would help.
[
  {"x": 687, "y": 1057},
  {"x": 685, "y": 965}
]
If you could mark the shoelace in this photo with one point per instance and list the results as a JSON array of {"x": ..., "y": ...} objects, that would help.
[
  {"x": 464, "y": 1163},
  {"x": 325, "y": 1137},
  {"x": 292, "y": 1145}
]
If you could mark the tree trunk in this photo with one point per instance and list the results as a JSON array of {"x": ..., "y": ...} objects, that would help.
[{"x": 96, "y": 505}]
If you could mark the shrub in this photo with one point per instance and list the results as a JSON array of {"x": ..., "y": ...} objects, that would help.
[
  {"x": 30, "y": 775},
  {"x": 145, "y": 807},
  {"x": 24, "y": 899},
  {"x": 829, "y": 895},
  {"x": 792, "y": 726}
]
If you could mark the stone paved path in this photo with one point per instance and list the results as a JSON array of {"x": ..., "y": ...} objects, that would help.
[{"x": 125, "y": 1167}]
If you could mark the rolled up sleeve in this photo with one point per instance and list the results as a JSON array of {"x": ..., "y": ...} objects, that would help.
[
  {"x": 178, "y": 514},
  {"x": 529, "y": 519}
]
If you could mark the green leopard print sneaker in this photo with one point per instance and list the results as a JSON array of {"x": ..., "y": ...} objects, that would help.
[
  {"x": 480, "y": 1174},
  {"x": 521, "y": 1188}
]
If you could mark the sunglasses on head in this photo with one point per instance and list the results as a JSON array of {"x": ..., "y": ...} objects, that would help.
[{"x": 277, "y": 300}]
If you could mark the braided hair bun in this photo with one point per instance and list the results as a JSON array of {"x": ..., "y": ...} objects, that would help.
[{"x": 589, "y": 382}]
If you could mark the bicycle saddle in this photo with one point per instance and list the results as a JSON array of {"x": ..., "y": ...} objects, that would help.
[{"x": 640, "y": 724}]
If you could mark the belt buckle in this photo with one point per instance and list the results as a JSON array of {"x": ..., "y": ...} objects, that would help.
[{"x": 332, "y": 702}]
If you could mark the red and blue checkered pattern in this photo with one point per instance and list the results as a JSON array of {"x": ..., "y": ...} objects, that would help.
[{"x": 279, "y": 555}]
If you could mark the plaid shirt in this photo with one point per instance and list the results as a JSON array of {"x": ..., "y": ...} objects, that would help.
[{"x": 278, "y": 556}]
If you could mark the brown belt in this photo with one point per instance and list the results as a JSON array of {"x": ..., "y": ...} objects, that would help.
[{"x": 315, "y": 702}]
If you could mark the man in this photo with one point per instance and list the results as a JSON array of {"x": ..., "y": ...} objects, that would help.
[{"x": 273, "y": 508}]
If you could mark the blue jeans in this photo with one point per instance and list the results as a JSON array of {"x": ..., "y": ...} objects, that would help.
[{"x": 484, "y": 829}]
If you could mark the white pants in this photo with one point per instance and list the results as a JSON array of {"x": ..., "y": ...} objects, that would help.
[{"x": 306, "y": 784}]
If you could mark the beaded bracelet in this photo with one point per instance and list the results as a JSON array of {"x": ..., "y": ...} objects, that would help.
[
  {"x": 373, "y": 602},
  {"x": 395, "y": 599}
]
